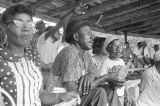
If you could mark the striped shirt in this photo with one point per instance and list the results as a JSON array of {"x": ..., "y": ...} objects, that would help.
[{"x": 20, "y": 77}]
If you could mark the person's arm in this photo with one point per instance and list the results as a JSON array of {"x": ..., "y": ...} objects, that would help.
[
  {"x": 100, "y": 80},
  {"x": 52, "y": 32},
  {"x": 49, "y": 98},
  {"x": 72, "y": 86},
  {"x": 64, "y": 21}
]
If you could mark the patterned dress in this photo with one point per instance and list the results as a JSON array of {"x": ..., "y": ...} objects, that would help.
[{"x": 20, "y": 77}]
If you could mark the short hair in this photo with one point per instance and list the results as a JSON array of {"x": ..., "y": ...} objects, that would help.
[
  {"x": 72, "y": 27},
  {"x": 49, "y": 28},
  {"x": 127, "y": 43},
  {"x": 39, "y": 23},
  {"x": 98, "y": 44},
  {"x": 139, "y": 44},
  {"x": 156, "y": 47},
  {"x": 10, "y": 12}
]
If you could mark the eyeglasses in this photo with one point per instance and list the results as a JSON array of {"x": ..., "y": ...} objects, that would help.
[{"x": 21, "y": 24}]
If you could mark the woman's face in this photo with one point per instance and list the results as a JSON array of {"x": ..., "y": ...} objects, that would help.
[
  {"x": 20, "y": 30},
  {"x": 103, "y": 50},
  {"x": 115, "y": 49}
]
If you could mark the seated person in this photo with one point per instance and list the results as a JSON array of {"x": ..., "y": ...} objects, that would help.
[
  {"x": 156, "y": 55},
  {"x": 114, "y": 49},
  {"x": 150, "y": 87},
  {"x": 74, "y": 69},
  {"x": 20, "y": 74},
  {"x": 99, "y": 51},
  {"x": 127, "y": 52}
]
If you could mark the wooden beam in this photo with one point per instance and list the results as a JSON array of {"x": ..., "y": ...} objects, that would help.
[
  {"x": 150, "y": 31},
  {"x": 125, "y": 8},
  {"x": 156, "y": 34},
  {"x": 5, "y": 3},
  {"x": 143, "y": 35},
  {"x": 129, "y": 26},
  {"x": 132, "y": 20},
  {"x": 146, "y": 24},
  {"x": 107, "y": 5},
  {"x": 40, "y": 3},
  {"x": 152, "y": 26},
  {"x": 46, "y": 17},
  {"x": 139, "y": 12},
  {"x": 67, "y": 7}
]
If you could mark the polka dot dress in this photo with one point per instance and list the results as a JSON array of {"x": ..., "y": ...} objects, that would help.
[{"x": 20, "y": 77}]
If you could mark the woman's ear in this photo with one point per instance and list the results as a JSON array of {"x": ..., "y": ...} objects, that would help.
[{"x": 75, "y": 36}]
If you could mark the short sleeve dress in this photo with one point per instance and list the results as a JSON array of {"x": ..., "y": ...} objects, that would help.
[{"x": 20, "y": 77}]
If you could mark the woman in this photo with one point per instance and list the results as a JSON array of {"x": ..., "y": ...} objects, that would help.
[
  {"x": 99, "y": 49},
  {"x": 113, "y": 61},
  {"x": 150, "y": 87},
  {"x": 112, "y": 49},
  {"x": 19, "y": 72}
]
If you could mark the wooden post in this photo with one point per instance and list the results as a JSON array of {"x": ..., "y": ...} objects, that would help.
[{"x": 125, "y": 36}]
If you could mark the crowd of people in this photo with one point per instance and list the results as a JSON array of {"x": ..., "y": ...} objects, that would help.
[{"x": 48, "y": 67}]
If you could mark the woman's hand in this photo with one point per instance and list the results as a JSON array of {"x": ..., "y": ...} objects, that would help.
[{"x": 68, "y": 96}]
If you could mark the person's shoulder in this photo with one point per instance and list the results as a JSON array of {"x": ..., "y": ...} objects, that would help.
[
  {"x": 69, "y": 50},
  {"x": 65, "y": 54},
  {"x": 3, "y": 66},
  {"x": 149, "y": 71},
  {"x": 33, "y": 55},
  {"x": 121, "y": 61},
  {"x": 107, "y": 61},
  {"x": 30, "y": 51}
]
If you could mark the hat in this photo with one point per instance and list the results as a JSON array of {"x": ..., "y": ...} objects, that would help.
[
  {"x": 72, "y": 27},
  {"x": 108, "y": 40}
]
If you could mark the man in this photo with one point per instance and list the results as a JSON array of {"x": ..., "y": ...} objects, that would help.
[
  {"x": 50, "y": 42},
  {"x": 40, "y": 28},
  {"x": 74, "y": 68},
  {"x": 48, "y": 48},
  {"x": 156, "y": 56},
  {"x": 52, "y": 38},
  {"x": 127, "y": 52}
]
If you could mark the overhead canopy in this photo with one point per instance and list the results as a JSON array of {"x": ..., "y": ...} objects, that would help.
[{"x": 141, "y": 17}]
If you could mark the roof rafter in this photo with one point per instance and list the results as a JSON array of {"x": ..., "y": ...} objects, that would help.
[
  {"x": 108, "y": 5},
  {"x": 68, "y": 7},
  {"x": 142, "y": 11},
  {"x": 40, "y": 3},
  {"x": 146, "y": 24},
  {"x": 132, "y": 20},
  {"x": 150, "y": 31}
]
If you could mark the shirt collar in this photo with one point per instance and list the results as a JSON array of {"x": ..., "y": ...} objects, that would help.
[{"x": 7, "y": 55}]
